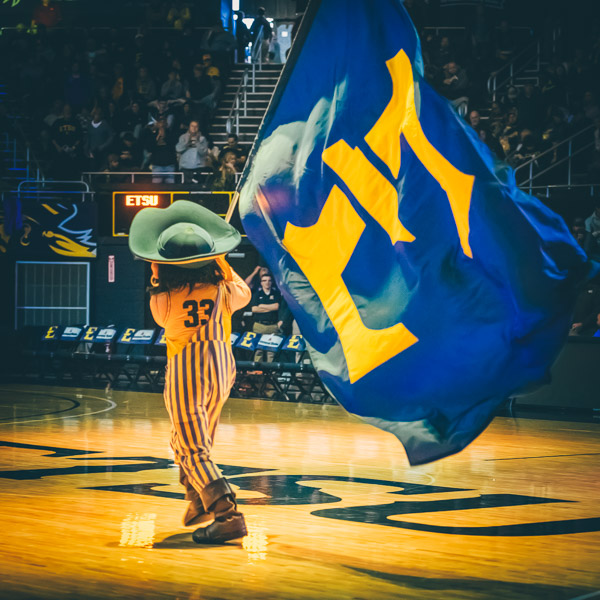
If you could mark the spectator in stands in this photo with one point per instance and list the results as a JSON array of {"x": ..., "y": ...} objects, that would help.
[
  {"x": 224, "y": 180},
  {"x": 93, "y": 54},
  {"x": 578, "y": 230},
  {"x": 509, "y": 136},
  {"x": 219, "y": 41},
  {"x": 510, "y": 99},
  {"x": 455, "y": 83},
  {"x": 134, "y": 120},
  {"x": 114, "y": 116},
  {"x": 183, "y": 117},
  {"x": 99, "y": 82},
  {"x": 475, "y": 119},
  {"x": 555, "y": 128},
  {"x": 260, "y": 26},
  {"x": 145, "y": 88},
  {"x": 160, "y": 109},
  {"x": 242, "y": 36},
  {"x": 173, "y": 89},
  {"x": 193, "y": 150},
  {"x": 525, "y": 150},
  {"x": 274, "y": 50},
  {"x": 118, "y": 90},
  {"x": 233, "y": 145},
  {"x": 496, "y": 119},
  {"x": 84, "y": 118},
  {"x": 179, "y": 15},
  {"x": 586, "y": 316},
  {"x": 177, "y": 67},
  {"x": 203, "y": 89},
  {"x": 55, "y": 112},
  {"x": 99, "y": 139},
  {"x": 554, "y": 85},
  {"x": 491, "y": 142},
  {"x": 130, "y": 153},
  {"x": 141, "y": 54},
  {"x": 265, "y": 308},
  {"x": 113, "y": 165},
  {"x": 67, "y": 141},
  {"x": 444, "y": 53},
  {"x": 592, "y": 228},
  {"x": 77, "y": 88},
  {"x": 159, "y": 142},
  {"x": 590, "y": 106}
]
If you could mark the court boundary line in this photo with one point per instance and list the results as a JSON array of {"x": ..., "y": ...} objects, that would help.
[
  {"x": 111, "y": 403},
  {"x": 547, "y": 456}
]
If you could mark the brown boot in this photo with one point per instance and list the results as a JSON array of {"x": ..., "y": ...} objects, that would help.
[
  {"x": 229, "y": 523},
  {"x": 195, "y": 513}
]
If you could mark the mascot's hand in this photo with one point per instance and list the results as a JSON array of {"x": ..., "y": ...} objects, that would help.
[{"x": 220, "y": 260}]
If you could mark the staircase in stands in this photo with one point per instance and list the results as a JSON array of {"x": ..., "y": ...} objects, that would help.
[{"x": 258, "y": 98}]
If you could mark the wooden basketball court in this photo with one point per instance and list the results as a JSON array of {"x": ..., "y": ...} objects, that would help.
[{"x": 91, "y": 506}]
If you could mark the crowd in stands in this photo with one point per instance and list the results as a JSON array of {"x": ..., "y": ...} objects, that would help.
[
  {"x": 526, "y": 120},
  {"x": 131, "y": 100},
  {"x": 124, "y": 100}
]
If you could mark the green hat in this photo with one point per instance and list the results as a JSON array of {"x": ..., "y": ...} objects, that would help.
[{"x": 184, "y": 234}]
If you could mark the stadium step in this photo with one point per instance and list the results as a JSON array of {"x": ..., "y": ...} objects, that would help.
[{"x": 257, "y": 102}]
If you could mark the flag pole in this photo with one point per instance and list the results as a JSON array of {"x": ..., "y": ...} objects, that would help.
[{"x": 232, "y": 204}]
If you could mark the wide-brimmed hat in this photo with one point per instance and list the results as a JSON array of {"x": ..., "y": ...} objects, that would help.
[{"x": 184, "y": 234}]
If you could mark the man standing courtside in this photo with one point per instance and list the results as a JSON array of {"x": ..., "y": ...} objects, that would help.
[{"x": 265, "y": 306}]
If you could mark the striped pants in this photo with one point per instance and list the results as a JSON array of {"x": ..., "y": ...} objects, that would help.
[{"x": 197, "y": 384}]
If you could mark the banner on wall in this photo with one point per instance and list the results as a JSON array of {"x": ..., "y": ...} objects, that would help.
[{"x": 51, "y": 231}]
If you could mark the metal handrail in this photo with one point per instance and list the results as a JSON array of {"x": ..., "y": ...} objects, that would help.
[
  {"x": 567, "y": 141},
  {"x": 131, "y": 173},
  {"x": 44, "y": 186},
  {"x": 563, "y": 186},
  {"x": 492, "y": 84},
  {"x": 256, "y": 54},
  {"x": 241, "y": 95}
]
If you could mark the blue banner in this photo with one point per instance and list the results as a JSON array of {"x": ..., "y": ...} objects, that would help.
[{"x": 427, "y": 286}]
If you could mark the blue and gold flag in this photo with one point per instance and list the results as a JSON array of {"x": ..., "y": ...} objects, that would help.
[{"x": 427, "y": 286}]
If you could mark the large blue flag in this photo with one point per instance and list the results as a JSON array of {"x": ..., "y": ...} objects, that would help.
[{"x": 428, "y": 287}]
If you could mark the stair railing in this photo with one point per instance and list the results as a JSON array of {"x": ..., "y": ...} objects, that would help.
[
  {"x": 239, "y": 104},
  {"x": 545, "y": 190},
  {"x": 528, "y": 58},
  {"x": 528, "y": 166},
  {"x": 256, "y": 54}
]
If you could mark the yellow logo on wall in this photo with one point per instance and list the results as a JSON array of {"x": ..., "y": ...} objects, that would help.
[{"x": 47, "y": 230}]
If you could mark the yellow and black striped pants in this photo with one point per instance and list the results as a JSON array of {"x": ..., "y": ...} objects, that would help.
[{"x": 197, "y": 384}]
